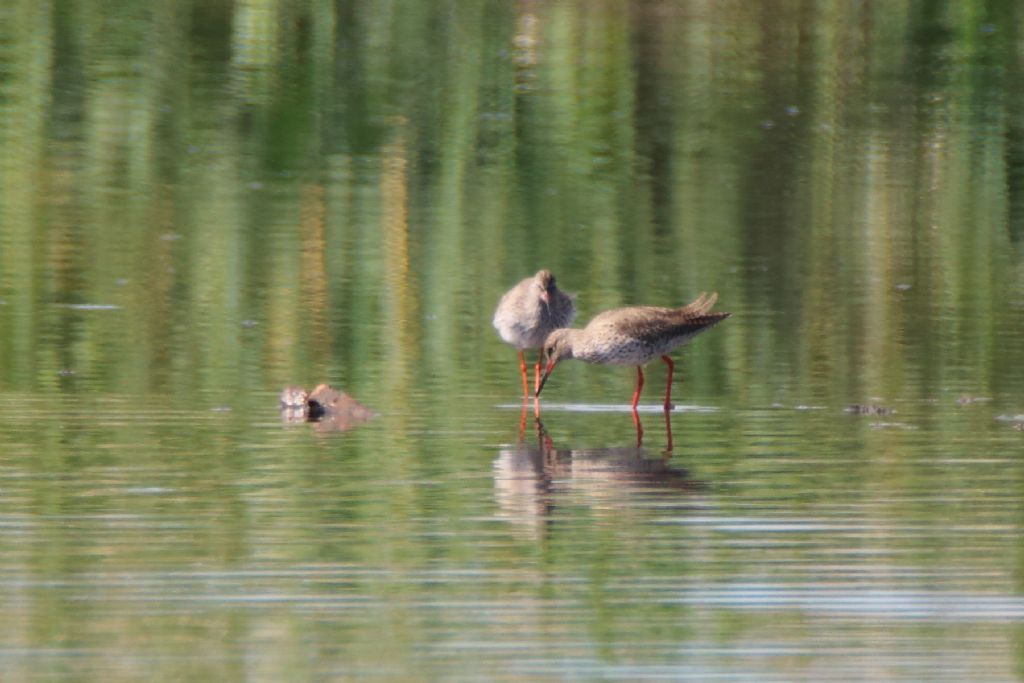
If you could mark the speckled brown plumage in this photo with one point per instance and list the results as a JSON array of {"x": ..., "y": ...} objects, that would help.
[
  {"x": 634, "y": 336},
  {"x": 528, "y": 313}
]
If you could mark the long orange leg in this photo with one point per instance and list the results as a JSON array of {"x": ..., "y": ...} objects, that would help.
[
  {"x": 636, "y": 400},
  {"x": 536, "y": 385},
  {"x": 522, "y": 371},
  {"x": 536, "y": 372},
  {"x": 639, "y": 386},
  {"x": 668, "y": 384},
  {"x": 668, "y": 431}
]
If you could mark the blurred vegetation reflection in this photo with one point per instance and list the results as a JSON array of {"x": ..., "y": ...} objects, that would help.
[
  {"x": 264, "y": 189},
  {"x": 203, "y": 201}
]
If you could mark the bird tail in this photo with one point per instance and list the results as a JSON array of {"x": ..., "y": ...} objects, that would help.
[{"x": 701, "y": 305}]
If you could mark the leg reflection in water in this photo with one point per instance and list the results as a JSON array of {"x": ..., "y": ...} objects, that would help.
[
  {"x": 534, "y": 480},
  {"x": 640, "y": 431}
]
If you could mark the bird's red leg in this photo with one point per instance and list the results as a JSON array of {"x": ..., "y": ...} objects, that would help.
[
  {"x": 522, "y": 371},
  {"x": 536, "y": 385},
  {"x": 639, "y": 429},
  {"x": 668, "y": 431},
  {"x": 639, "y": 386},
  {"x": 536, "y": 372},
  {"x": 636, "y": 400},
  {"x": 668, "y": 384}
]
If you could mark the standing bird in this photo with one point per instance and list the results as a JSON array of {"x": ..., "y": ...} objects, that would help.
[
  {"x": 633, "y": 336},
  {"x": 528, "y": 313}
]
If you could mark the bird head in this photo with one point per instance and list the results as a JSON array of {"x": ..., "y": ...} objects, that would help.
[
  {"x": 545, "y": 282},
  {"x": 557, "y": 347}
]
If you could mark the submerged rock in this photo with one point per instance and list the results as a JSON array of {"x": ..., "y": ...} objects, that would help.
[
  {"x": 294, "y": 397},
  {"x": 294, "y": 404},
  {"x": 332, "y": 409}
]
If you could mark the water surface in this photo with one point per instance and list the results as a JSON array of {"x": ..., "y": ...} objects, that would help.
[{"x": 203, "y": 203}]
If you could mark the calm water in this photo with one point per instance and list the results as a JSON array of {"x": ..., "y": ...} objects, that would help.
[{"x": 202, "y": 202}]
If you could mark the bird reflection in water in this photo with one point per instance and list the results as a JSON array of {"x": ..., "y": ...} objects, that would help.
[
  {"x": 637, "y": 423},
  {"x": 640, "y": 431},
  {"x": 532, "y": 477}
]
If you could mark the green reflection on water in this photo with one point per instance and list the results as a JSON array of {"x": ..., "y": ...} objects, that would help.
[{"x": 202, "y": 202}]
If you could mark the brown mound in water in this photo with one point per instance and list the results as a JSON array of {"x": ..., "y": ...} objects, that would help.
[{"x": 334, "y": 410}]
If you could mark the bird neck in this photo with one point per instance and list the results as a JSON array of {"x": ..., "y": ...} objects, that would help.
[{"x": 571, "y": 341}]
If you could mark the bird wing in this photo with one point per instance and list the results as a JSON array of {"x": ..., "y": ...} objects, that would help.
[
  {"x": 656, "y": 331},
  {"x": 654, "y": 324}
]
